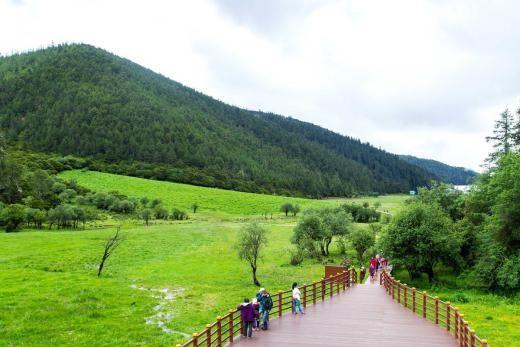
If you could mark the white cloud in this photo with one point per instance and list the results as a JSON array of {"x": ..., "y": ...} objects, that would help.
[{"x": 419, "y": 77}]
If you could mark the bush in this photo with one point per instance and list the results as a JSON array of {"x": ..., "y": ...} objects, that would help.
[
  {"x": 160, "y": 212},
  {"x": 508, "y": 276},
  {"x": 296, "y": 257},
  {"x": 178, "y": 214},
  {"x": 12, "y": 217},
  {"x": 362, "y": 240}
]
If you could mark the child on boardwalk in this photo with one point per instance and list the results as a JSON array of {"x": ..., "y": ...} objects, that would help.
[
  {"x": 296, "y": 295},
  {"x": 247, "y": 316},
  {"x": 256, "y": 314}
]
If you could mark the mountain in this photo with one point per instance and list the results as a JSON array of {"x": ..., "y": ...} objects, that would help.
[
  {"x": 81, "y": 100},
  {"x": 446, "y": 173}
]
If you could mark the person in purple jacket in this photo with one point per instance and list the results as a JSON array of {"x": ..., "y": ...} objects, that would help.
[{"x": 247, "y": 313}]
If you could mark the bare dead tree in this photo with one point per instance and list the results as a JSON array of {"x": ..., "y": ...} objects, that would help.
[{"x": 110, "y": 246}]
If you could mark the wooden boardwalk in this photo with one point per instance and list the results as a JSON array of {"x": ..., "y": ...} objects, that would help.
[{"x": 364, "y": 315}]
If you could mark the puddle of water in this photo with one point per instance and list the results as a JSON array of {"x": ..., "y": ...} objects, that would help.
[{"x": 164, "y": 311}]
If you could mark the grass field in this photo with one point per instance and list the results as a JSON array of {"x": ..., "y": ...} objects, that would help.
[
  {"x": 50, "y": 294},
  {"x": 212, "y": 201}
]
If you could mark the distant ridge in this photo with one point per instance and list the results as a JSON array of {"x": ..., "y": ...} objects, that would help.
[
  {"x": 446, "y": 173},
  {"x": 82, "y": 100}
]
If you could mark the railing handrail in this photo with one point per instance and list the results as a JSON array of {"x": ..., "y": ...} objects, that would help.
[
  {"x": 228, "y": 326},
  {"x": 432, "y": 308}
]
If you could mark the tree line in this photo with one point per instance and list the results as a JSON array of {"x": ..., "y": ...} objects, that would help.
[{"x": 32, "y": 195}]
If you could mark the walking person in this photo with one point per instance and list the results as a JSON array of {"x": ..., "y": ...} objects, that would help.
[
  {"x": 384, "y": 263},
  {"x": 296, "y": 295},
  {"x": 373, "y": 264},
  {"x": 247, "y": 316}
]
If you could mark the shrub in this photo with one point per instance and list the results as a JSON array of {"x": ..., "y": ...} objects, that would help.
[
  {"x": 12, "y": 217},
  {"x": 178, "y": 214},
  {"x": 296, "y": 257},
  {"x": 362, "y": 240},
  {"x": 160, "y": 212}
]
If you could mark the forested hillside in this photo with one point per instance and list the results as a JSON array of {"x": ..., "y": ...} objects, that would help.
[
  {"x": 446, "y": 173},
  {"x": 77, "y": 99}
]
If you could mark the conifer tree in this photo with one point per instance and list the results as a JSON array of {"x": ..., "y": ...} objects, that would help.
[{"x": 503, "y": 136}]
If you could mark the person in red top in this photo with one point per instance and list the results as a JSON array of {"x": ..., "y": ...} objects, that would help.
[{"x": 373, "y": 267}]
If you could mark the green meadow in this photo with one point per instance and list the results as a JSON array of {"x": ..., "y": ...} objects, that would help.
[
  {"x": 212, "y": 201},
  {"x": 50, "y": 294},
  {"x": 169, "y": 279},
  {"x": 166, "y": 280}
]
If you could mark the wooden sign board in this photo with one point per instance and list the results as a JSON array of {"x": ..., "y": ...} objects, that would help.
[{"x": 332, "y": 270}]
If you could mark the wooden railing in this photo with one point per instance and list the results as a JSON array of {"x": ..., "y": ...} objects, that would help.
[
  {"x": 228, "y": 326},
  {"x": 429, "y": 307}
]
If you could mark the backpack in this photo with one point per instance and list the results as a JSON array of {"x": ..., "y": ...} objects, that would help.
[{"x": 268, "y": 303}]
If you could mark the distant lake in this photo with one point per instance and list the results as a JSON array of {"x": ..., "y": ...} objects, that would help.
[{"x": 462, "y": 188}]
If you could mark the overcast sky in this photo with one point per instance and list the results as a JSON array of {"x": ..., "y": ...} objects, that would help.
[{"x": 425, "y": 78}]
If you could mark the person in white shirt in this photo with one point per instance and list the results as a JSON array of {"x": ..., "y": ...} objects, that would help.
[{"x": 296, "y": 295}]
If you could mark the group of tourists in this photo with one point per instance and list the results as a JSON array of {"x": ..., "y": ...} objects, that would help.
[
  {"x": 377, "y": 263},
  {"x": 255, "y": 312}
]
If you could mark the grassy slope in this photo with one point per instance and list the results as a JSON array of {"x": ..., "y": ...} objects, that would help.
[{"x": 212, "y": 201}]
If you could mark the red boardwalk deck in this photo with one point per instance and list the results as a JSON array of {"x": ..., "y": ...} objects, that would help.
[{"x": 362, "y": 316}]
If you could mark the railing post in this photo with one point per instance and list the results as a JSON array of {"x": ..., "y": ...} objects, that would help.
[
  {"x": 448, "y": 313},
  {"x": 208, "y": 335},
  {"x": 466, "y": 330},
  {"x": 219, "y": 331},
  {"x": 456, "y": 322},
  {"x": 280, "y": 303},
  {"x": 462, "y": 338},
  {"x": 322, "y": 289},
  {"x": 331, "y": 285},
  {"x": 338, "y": 279},
  {"x": 392, "y": 287},
  {"x": 424, "y": 304},
  {"x": 195, "y": 340},
  {"x": 314, "y": 292},
  {"x": 344, "y": 279},
  {"x": 436, "y": 310},
  {"x": 398, "y": 292},
  {"x": 381, "y": 278},
  {"x": 348, "y": 279},
  {"x": 231, "y": 333},
  {"x": 413, "y": 299},
  {"x": 472, "y": 338},
  {"x": 304, "y": 296},
  {"x": 405, "y": 287}
]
